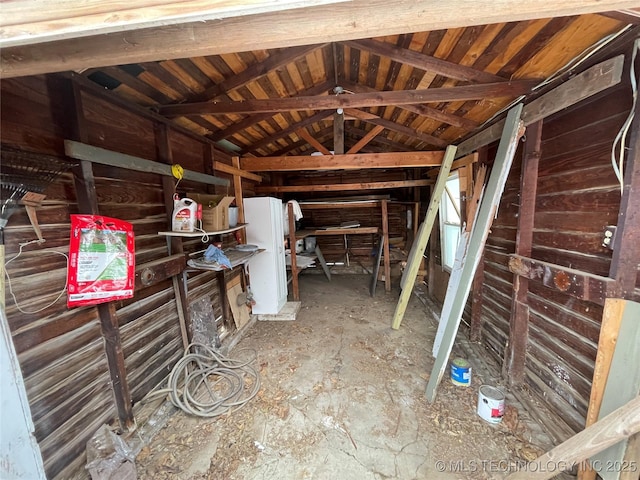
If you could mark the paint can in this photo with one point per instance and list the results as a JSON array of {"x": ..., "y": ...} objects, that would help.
[
  {"x": 490, "y": 404},
  {"x": 460, "y": 372}
]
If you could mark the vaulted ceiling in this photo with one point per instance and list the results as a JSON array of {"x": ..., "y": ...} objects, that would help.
[{"x": 416, "y": 90}]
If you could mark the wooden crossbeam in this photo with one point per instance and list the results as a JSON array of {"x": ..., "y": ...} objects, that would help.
[
  {"x": 422, "y": 110},
  {"x": 344, "y": 162},
  {"x": 339, "y": 187},
  {"x": 357, "y": 100},
  {"x": 424, "y": 62},
  {"x": 223, "y": 167}
]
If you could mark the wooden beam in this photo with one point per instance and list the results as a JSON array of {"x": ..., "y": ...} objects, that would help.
[
  {"x": 515, "y": 353},
  {"x": 338, "y": 187},
  {"x": 25, "y": 22},
  {"x": 223, "y": 167},
  {"x": 231, "y": 130},
  {"x": 304, "y": 134},
  {"x": 357, "y": 100},
  {"x": 385, "y": 235},
  {"x": 422, "y": 238},
  {"x": 626, "y": 247},
  {"x": 338, "y": 133},
  {"x": 424, "y": 62},
  {"x": 253, "y": 72},
  {"x": 588, "y": 83},
  {"x": 82, "y": 151},
  {"x": 288, "y": 131},
  {"x": 238, "y": 193},
  {"x": 396, "y": 127},
  {"x": 618, "y": 425},
  {"x": 422, "y": 110},
  {"x": 609, "y": 328},
  {"x": 582, "y": 285},
  {"x": 366, "y": 139},
  {"x": 354, "y": 161},
  {"x": 457, "y": 296},
  {"x": 315, "y": 24}
]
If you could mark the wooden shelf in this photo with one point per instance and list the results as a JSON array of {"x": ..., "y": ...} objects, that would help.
[
  {"x": 200, "y": 234},
  {"x": 236, "y": 257}
]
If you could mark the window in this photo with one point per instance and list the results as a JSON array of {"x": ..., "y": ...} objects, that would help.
[{"x": 450, "y": 221}]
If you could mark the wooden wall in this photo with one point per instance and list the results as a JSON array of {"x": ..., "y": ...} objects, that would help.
[
  {"x": 577, "y": 196},
  {"x": 61, "y": 351}
]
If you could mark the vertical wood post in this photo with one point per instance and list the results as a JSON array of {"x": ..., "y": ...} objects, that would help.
[
  {"x": 338, "y": 133},
  {"x": 292, "y": 246},
  {"x": 515, "y": 352},
  {"x": 237, "y": 190},
  {"x": 88, "y": 204},
  {"x": 385, "y": 234}
]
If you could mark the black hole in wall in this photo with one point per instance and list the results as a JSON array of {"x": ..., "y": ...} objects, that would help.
[
  {"x": 104, "y": 80},
  {"x": 133, "y": 69}
]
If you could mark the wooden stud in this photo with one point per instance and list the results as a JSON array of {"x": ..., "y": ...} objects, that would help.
[
  {"x": 515, "y": 353},
  {"x": 611, "y": 321},
  {"x": 292, "y": 246},
  {"x": 422, "y": 238},
  {"x": 338, "y": 133},
  {"x": 237, "y": 190},
  {"x": 385, "y": 236},
  {"x": 486, "y": 213}
]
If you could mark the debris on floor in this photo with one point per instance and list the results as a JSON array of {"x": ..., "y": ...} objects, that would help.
[{"x": 343, "y": 396}]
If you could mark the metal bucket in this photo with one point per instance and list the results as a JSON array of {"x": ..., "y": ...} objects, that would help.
[{"x": 490, "y": 404}]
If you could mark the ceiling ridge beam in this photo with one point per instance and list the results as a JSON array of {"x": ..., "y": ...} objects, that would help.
[
  {"x": 424, "y": 62},
  {"x": 401, "y": 97},
  {"x": 422, "y": 110},
  {"x": 396, "y": 127}
]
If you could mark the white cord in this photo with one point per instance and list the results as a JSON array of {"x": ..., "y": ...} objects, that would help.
[
  {"x": 621, "y": 137},
  {"x": 6, "y": 273},
  {"x": 205, "y": 236}
]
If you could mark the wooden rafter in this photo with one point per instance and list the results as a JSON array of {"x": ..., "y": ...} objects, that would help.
[
  {"x": 396, "y": 127},
  {"x": 400, "y": 97},
  {"x": 424, "y": 62},
  {"x": 422, "y": 110},
  {"x": 254, "y": 72},
  {"x": 340, "y": 187},
  {"x": 315, "y": 24},
  {"x": 343, "y": 162},
  {"x": 366, "y": 139},
  {"x": 304, "y": 134}
]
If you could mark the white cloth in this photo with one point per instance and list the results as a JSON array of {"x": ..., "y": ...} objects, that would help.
[{"x": 297, "y": 214}]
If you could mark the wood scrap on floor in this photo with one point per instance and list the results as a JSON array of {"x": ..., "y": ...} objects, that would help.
[{"x": 237, "y": 302}]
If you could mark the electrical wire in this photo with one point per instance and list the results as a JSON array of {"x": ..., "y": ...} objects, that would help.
[
  {"x": 621, "y": 137},
  {"x": 204, "y": 383},
  {"x": 6, "y": 273}
]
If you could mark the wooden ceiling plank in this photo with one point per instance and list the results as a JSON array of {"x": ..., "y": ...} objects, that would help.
[
  {"x": 255, "y": 71},
  {"x": 374, "y": 119},
  {"x": 425, "y": 62},
  {"x": 303, "y": 133},
  {"x": 316, "y": 24},
  {"x": 343, "y": 162},
  {"x": 340, "y": 187},
  {"x": 403, "y": 97},
  {"x": 366, "y": 139}
]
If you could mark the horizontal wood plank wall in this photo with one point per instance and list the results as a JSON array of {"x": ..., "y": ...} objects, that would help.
[
  {"x": 577, "y": 196},
  {"x": 61, "y": 351}
]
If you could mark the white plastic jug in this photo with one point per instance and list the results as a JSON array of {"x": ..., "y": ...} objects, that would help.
[{"x": 185, "y": 213}]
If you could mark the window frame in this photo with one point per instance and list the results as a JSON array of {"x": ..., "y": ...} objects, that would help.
[{"x": 446, "y": 224}]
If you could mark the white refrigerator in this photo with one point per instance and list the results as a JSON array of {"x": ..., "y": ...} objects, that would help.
[{"x": 267, "y": 270}]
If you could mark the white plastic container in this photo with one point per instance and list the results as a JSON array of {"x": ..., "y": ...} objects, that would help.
[{"x": 185, "y": 212}]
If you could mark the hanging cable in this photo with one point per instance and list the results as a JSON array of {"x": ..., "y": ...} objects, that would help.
[
  {"x": 621, "y": 137},
  {"x": 6, "y": 273},
  {"x": 204, "y": 383}
]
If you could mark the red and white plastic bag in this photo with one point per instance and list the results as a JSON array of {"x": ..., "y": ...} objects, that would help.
[{"x": 101, "y": 260}]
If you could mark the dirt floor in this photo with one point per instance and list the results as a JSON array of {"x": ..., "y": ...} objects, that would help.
[{"x": 342, "y": 397}]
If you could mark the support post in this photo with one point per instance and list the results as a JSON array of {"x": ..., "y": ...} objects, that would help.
[
  {"x": 515, "y": 353},
  {"x": 237, "y": 191},
  {"x": 292, "y": 247},
  {"x": 338, "y": 133},
  {"x": 385, "y": 235}
]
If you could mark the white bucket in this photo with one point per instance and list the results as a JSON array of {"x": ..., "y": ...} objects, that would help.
[
  {"x": 490, "y": 404},
  {"x": 233, "y": 216}
]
